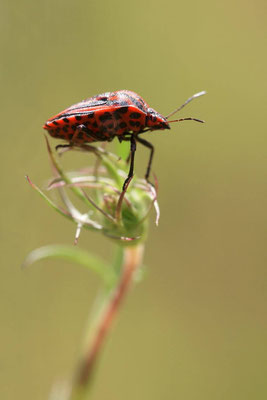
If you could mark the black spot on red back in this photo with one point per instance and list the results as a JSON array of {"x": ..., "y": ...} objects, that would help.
[
  {"x": 135, "y": 123},
  {"x": 106, "y": 116},
  {"x": 135, "y": 115},
  {"x": 123, "y": 110}
]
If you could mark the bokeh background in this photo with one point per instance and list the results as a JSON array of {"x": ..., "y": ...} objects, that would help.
[{"x": 195, "y": 328}]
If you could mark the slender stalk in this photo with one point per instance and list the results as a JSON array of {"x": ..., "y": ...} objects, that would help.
[{"x": 132, "y": 259}]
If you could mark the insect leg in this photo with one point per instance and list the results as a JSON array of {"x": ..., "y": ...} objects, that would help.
[
  {"x": 79, "y": 128},
  {"x": 61, "y": 146},
  {"x": 132, "y": 154},
  {"x": 151, "y": 148}
]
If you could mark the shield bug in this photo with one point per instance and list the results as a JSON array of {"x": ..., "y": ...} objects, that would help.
[{"x": 122, "y": 114}]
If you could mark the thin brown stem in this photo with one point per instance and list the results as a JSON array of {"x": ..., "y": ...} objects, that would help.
[{"x": 131, "y": 261}]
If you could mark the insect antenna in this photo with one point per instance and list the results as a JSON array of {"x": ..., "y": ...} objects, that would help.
[
  {"x": 187, "y": 119},
  {"x": 183, "y": 105}
]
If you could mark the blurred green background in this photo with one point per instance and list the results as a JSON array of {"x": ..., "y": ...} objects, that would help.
[{"x": 195, "y": 328}]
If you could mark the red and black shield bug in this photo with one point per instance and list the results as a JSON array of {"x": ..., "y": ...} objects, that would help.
[{"x": 122, "y": 114}]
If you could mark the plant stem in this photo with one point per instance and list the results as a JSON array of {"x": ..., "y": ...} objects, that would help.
[{"x": 132, "y": 259}]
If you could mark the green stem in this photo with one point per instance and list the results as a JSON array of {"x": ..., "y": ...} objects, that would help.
[{"x": 95, "y": 338}]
